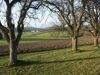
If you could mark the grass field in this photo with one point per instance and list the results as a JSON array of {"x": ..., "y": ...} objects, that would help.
[
  {"x": 52, "y": 34},
  {"x": 44, "y": 36},
  {"x": 57, "y": 62},
  {"x": 29, "y": 37}
]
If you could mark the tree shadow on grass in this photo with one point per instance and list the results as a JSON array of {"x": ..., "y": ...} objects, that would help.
[
  {"x": 26, "y": 63},
  {"x": 81, "y": 51},
  {"x": 72, "y": 60},
  {"x": 98, "y": 47},
  {"x": 88, "y": 50}
]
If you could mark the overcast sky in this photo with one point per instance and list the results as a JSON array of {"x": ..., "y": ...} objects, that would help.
[{"x": 45, "y": 17}]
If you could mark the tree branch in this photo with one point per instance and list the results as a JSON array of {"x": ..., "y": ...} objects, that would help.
[
  {"x": 14, "y": 2},
  {"x": 7, "y": 2}
]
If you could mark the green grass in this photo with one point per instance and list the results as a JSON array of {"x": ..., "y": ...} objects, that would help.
[
  {"x": 4, "y": 42},
  {"x": 57, "y": 62},
  {"x": 52, "y": 34},
  {"x": 44, "y": 36},
  {"x": 29, "y": 37}
]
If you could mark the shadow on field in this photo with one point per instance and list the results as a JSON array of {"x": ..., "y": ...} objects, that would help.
[
  {"x": 26, "y": 63},
  {"x": 72, "y": 60},
  {"x": 87, "y": 50}
]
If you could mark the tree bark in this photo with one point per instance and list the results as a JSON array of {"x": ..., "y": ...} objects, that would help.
[
  {"x": 75, "y": 43},
  {"x": 9, "y": 31},
  {"x": 13, "y": 53},
  {"x": 96, "y": 41}
]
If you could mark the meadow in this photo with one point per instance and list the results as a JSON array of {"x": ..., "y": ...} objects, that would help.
[
  {"x": 53, "y": 61},
  {"x": 29, "y": 37}
]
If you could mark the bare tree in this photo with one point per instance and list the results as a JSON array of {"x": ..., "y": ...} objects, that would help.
[
  {"x": 9, "y": 31},
  {"x": 93, "y": 18},
  {"x": 72, "y": 12}
]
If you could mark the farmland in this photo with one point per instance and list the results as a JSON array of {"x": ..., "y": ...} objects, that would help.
[{"x": 35, "y": 42}]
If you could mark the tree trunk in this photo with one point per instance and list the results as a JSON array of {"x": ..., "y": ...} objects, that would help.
[
  {"x": 96, "y": 41},
  {"x": 12, "y": 54},
  {"x": 1, "y": 37},
  {"x": 74, "y": 43}
]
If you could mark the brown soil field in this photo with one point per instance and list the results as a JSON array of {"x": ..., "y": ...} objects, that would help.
[{"x": 47, "y": 45}]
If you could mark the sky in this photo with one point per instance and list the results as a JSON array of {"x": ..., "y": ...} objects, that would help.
[{"x": 45, "y": 17}]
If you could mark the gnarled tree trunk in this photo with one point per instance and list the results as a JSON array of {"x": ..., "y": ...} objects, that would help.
[
  {"x": 1, "y": 36},
  {"x": 13, "y": 53},
  {"x": 75, "y": 43},
  {"x": 95, "y": 41}
]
